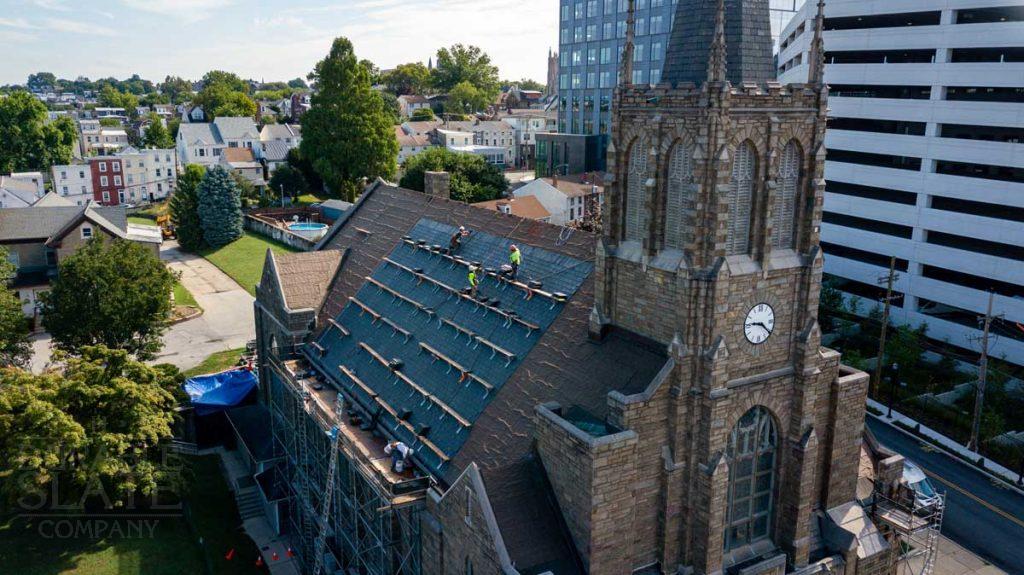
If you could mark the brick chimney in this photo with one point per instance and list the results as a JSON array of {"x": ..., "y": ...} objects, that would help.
[{"x": 437, "y": 184}]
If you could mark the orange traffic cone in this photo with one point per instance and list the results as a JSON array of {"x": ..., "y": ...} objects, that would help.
[
  {"x": 275, "y": 556},
  {"x": 289, "y": 552},
  {"x": 230, "y": 555},
  {"x": 259, "y": 561}
]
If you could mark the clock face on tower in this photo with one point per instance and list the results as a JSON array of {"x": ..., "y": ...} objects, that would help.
[{"x": 759, "y": 323}]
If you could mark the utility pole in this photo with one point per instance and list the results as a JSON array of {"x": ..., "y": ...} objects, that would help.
[
  {"x": 880, "y": 360},
  {"x": 979, "y": 398}
]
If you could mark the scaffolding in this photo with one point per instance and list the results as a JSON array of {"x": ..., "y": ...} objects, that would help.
[
  {"x": 915, "y": 528},
  {"x": 371, "y": 525}
]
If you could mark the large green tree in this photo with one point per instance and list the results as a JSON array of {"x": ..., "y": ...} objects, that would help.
[
  {"x": 93, "y": 428},
  {"x": 464, "y": 98},
  {"x": 218, "y": 100},
  {"x": 220, "y": 208},
  {"x": 347, "y": 133},
  {"x": 27, "y": 141},
  {"x": 472, "y": 178},
  {"x": 15, "y": 349},
  {"x": 288, "y": 181},
  {"x": 156, "y": 135},
  {"x": 177, "y": 89},
  {"x": 112, "y": 97},
  {"x": 113, "y": 293},
  {"x": 229, "y": 80},
  {"x": 41, "y": 81},
  {"x": 462, "y": 63},
  {"x": 184, "y": 208},
  {"x": 412, "y": 78}
]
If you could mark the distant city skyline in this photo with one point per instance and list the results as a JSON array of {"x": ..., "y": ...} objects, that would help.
[{"x": 263, "y": 40}]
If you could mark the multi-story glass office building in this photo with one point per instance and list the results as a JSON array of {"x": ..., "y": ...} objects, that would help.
[{"x": 591, "y": 38}]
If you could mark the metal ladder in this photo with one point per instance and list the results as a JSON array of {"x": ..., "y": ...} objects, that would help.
[
  {"x": 301, "y": 463},
  {"x": 932, "y": 539},
  {"x": 325, "y": 510}
]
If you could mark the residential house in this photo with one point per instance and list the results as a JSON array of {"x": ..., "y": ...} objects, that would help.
[
  {"x": 526, "y": 124},
  {"x": 463, "y": 143},
  {"x": 150, "y": 174},
  {"x": 490, "y": 133},
  {"x": 18, "y": 192},
  {"x": 410, "y": 144},
  {"x": 116, "y": 113},
  {"x": 203, "y": 144},
  {"x": 290, "y": 134},
  {"x": 300, "y": 103},
  {"x": 566, "y": 200},
  {"x": 423, "y": 128},
  {"x": 244, "y": 162},
  {"x": 107, "y": 180},
  {"x": 73, "y": 182},
  {"x": 39, "y": 237},
  {"x": 528, "y": 207},
  {"x": 194, "y": 114},
  {"x": 165, "y": 111},
  {"x": 409, "y": 103}
]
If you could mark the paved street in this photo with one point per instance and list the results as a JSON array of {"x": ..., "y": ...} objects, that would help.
[
  {"x": 227, "y": 320},
  {"x": 981, "y": 514}
]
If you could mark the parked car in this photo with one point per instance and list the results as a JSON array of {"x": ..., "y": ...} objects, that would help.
[{"x": 926, "y": 499}]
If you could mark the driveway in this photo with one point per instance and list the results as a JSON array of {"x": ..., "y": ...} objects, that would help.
[{"x": 227, "y": 320}]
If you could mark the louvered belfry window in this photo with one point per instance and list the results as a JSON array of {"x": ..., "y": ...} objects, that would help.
[
  {"x": 636, "y": 216},
  {"x": 680, "y": 200},
  {"x": 741, "y": 196},
  {"x": 784, "y": 211}
]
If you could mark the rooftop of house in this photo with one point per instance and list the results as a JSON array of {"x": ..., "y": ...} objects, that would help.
[
  {"x": 410, "y": 140},
  {"x": 479, "y": 126},
  {"x": 238, "y": 155},
  {"x": 527, "y": 207},
  {"x": 280, "y": 132},
  {"x": 275, "y": 150},
  {"x": 219, "y": 131},
  {"x": 574, "y": 188},
  {"x": 49, "y": 223},
  {"x": 458, "y": 378},
  {"x": 24, "y": 190},
  {"x": 414, "y": 99},
  {"x": 305, "y": 277},
  {"x": 52, "y": 199},
  {"x": 421, "y": 127}
]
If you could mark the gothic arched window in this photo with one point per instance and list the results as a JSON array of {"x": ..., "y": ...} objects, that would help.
[
  {"x": 680, "y": 198},
  {"x": 636, "y": 176},
  {"x": 741, "y": 196},
  {"x": 784, "y": 211},
  {"x": 752, "y": 459}
]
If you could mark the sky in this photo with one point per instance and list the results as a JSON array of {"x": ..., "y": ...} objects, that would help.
[{"x": 260, "y": 39}]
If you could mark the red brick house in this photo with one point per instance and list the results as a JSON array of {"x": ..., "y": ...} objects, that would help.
[{"x": 107, "y": 180}]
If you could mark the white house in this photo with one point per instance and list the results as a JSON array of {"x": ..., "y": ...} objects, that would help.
[
  {"x": 567, "y": 201},
  {"x": 150, "y": 174},
  {"x": 73, "y": 182},
  {"x": 409, "y": 103},
  {"x": 18, "y": 192},
  {"x": 497, "y": 134},
  {"x": 204, "y": 143},
  {"x": 410, "y": 144}
]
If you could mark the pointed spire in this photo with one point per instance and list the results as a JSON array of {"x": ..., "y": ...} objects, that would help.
[
  {"x": 717, "y": 65},
  {"x": 627, "y": 51},
  {"x": 816, "y": 77}
]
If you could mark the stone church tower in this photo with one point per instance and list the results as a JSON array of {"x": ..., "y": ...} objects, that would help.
[{"x": 711, "y": 246}]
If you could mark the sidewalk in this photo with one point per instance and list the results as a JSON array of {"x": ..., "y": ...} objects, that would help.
[{"x": 952, "y": 559}]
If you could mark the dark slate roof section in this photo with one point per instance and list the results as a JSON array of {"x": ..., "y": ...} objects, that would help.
[
  {"x": 748, "y": 39},
  {"x": 43, "y": 222},
  {"x": 456, "y": 353}
]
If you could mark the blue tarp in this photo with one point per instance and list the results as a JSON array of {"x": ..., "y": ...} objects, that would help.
[{"x": 218, "y": 391}]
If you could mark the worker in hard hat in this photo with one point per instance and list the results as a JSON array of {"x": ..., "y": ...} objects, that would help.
[
  {"x": 474, "y": 281},
  {"x": 515, "y": 259},
  {"x": 456, "y": 241}
]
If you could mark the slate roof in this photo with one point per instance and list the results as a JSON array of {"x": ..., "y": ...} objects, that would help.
[
  {"x": 389, "y": 310},
  {"x": 236, "y": 128},
  {"x": 305, "y": 276},
  {"x": 275, "y": 150},
  {"x": 47, "y": 222},
  {"x": 280, "y": 132},
  {"x": 193, "y": 133},
  {"x": 748, "y": 40},
  {"x": 24, "y": 190}
]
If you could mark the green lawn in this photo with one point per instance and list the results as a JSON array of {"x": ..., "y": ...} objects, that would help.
[
  {"x": 141, "y": 221},
  {"x": 31, "y": 546},
  {"x": 243, "y": 259},
  {"x": 184, "y": 297},
  {"x": 310, "y": 199},
  {"x": 216, "y": 362}
]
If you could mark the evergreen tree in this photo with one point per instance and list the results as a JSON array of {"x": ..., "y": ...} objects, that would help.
[
  {"x": 220, "y": 208},
  {"x": 113, "y": 293},
  {"x": 347, "y": 133},
  {"x": 184, "y": 208}
]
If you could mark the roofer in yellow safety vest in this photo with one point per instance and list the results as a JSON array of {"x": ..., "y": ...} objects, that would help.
[
  {"x": 473, "y": 281},
  {"x": 515, "y": 259}
]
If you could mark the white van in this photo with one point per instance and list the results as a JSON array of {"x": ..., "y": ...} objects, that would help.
[{"x": 925, "y": 497}]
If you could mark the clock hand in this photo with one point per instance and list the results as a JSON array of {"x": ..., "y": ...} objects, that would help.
[{"x": 758, "y": 323}]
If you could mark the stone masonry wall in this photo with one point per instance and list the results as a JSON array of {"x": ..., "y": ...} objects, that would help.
[{"x": 455, "y": 533}]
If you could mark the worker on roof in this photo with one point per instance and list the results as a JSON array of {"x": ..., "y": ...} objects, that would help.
[
  {"x": 400, "y": 454},
  {"x": 456, "y": 242},
  {"x": 515, "y": 259},
  {"x": 474, "y": 281}
]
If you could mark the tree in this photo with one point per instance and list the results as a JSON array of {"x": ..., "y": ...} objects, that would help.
[
  {"x": 472, "y": 178},
  {"x": 112, "y": 98},
  {"x": 184, "y": 208},
  {"x": 93, "y": 428},
  {"x": 218, "y": 100},
  {"x": 220, "y": 208},
  {"x": 526, "y": 84},
  {"x": 464, "y": 98},
  {"x": 15, "y": 349},
  {"x": 462, "y": 63},
  {"x": 391, "y": 107},
  {"x": 27, "y": 141},
  {"x": 177, "y": 89},
  {"x": 113, "y": 293},
  {"x": 156, "y": 135},
  {"x": 228, "y": 80},
  {"x": 298, "y": 83},
  {"x": 41, "y": 81},
  {"x": 412, "y": 78},
  {"x": 347, "y": 132},
  {"x": 422, "y": 115},
  {"x": 313, "y": 180},
  {"x": 288, "y": 180},
  {"x": 172, "y": 127}
]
